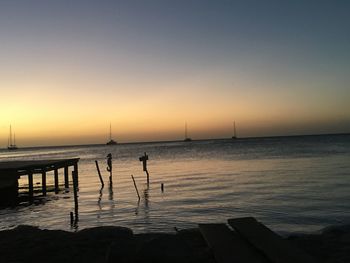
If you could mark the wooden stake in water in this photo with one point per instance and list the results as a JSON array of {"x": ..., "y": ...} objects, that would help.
[
  {"x": 137, "y": 191},
  {"x": 144, "y": 159},
  {"x": 109, "y": 167},
  {"x": 99, "y": 174},
  {"x": 75, "y": 192}
]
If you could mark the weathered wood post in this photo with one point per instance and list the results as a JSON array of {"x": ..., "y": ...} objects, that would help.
[
  {"x": 144, "y": 159},
  {"x": 43, "y": 182},
  {"x": 66, "y": 179},
  {"x": 137, "y": 191},
  {"x": 99, "y": 174},
  {"x": 109, "y": 167},
  {"x": 30, "y": 184},
  {"x": 56, "y": 180},
  {"x": 76, "y": 173},
  {"x": 75, "y": 192}
]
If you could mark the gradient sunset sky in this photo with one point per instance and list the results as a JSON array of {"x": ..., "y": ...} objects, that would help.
[{"x": 70, "y": 68}]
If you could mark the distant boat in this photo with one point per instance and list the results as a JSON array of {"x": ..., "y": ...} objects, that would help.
[
  {"x": 187, "y": 139},
  {"x": 234, "y": 131},
  {"x": 111, "y": 141},
  {"x": 12, "y": 144}
]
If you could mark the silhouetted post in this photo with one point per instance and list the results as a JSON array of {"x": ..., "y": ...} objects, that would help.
[
  {"x": 76, "y": 174},
  {"x": 43, "y": 182},
  {"x": 162, "y": 187},
  {"x": 56, "y": 180},
  {"x": 144, "y": 159},
  {"x": 109, "y": 167},
  {"x": 66, "y": 179},
  {"x": 137, "y": 191},
  {"x": 75, "y": 191},
  {"x": 99, "y": 174},
  {"x": 30, "y": 184},
  {"x": 71, "y": 218}
]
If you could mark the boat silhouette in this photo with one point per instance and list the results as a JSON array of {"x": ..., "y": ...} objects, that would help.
[
  {"x": 12, "y": 143},
  {"x": 111, "y": 141},
  {"x": 187, "y": 139},
  {"x": 234, "y": 136}
]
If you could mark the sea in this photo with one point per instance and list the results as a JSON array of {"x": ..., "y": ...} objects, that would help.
[{"x": 297, "y": 184}]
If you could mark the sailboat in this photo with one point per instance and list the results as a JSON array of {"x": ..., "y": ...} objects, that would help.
[
  {"x": 234, "y": 131},
  {"x": 12, "y": 144},
  {"x": 111, "y": 141},
  {"x": 187, "y": 139}
]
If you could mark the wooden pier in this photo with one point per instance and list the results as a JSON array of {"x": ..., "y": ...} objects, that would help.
[{"x": 11, "y": 171}]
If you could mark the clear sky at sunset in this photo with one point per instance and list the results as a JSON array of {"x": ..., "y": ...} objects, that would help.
[{"x": 69, "y": 68}]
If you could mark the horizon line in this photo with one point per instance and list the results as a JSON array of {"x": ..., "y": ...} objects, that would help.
[{"x": 193, "y": 140}]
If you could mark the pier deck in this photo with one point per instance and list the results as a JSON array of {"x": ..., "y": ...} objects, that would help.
[{"x": 11, "y": 171}]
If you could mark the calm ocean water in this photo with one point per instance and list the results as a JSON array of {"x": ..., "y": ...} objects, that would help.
[{"x": 291, "y": 184}]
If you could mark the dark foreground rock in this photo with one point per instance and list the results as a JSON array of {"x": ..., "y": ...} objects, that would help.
[
  {"x": 119, "y": 244},
  {"x": 101, "y": 244},
  {"x": 332, "y": 245}
]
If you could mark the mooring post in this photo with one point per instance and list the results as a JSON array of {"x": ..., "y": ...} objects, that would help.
[
  {"x": 75, "y": 191},
  {"x": 66, "y": 179},
  {"x": 109, "y": 167},
  {"x": 56, "y": 180},
  {"x": 30, "y": 184},
  {"x": 99, "y": 174},
  {"x": 144, "y": 159},
  {"x": 162, "y": 187},
  {"x": 137, "y": 191},
  {"x": 43, "y": 182}
]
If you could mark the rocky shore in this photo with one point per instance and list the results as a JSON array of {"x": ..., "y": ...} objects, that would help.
[{"x": 119, "y": 244}]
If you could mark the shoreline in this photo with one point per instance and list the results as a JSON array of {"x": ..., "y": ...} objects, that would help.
[{"x": 119, "y": 244}]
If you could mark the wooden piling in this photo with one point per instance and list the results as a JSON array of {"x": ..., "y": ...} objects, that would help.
[
  {"x": 30, "y": 184},
  {"x": 66, "y": 179},
  {"x": 99, "y": 173},
  {"x": 137, "y": 191},
  {"x": 162, "y": 187},
  {"x": 56, "y": 180},
  {"x": 43, "y": 182},
  {"x": 75, "y": 191},
  {"x": 76, "y": 174},
  {"x": 147, "y": 177}
]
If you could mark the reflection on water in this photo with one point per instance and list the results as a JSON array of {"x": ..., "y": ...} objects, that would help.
[{"x": 290, "y": 184}]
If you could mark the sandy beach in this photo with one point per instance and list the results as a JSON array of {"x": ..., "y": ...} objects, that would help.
[{"x": 119, "y": 244}]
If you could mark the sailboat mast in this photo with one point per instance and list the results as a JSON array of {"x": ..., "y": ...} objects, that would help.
[
  {"x": 110, "y": 131},
  {"x": 234, "y": 128},
  {"x": 10, "y": 135},
  {"x": 185, "y": 130}
]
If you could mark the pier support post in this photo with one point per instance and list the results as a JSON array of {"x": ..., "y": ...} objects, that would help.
[
  {"x": 30, "y": 184},
  {"x": 43, "y": 182},
  {"x": 66, "y": 179},
  {"x": 56, "y": 180}
]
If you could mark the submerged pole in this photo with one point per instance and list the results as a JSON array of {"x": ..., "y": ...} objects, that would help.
[
  {"x": 99, "y": 173},
  {"x": 75, "y": 191},
  {"x": 109, "y": 167},
  {"x": 137, "y": 191},
  {"x": 144, "y": 160}
]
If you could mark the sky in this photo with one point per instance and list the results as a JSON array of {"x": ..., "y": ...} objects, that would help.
[{"x": 70, "y": 68}]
